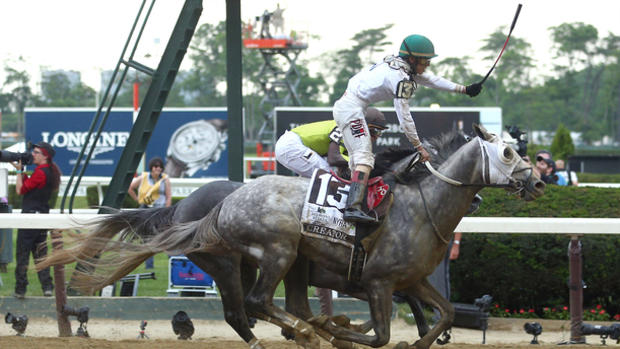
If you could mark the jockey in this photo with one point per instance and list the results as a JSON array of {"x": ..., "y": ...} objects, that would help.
[
  {"x": 397, "y": 78},
  {"x": 303, "y": 149}
]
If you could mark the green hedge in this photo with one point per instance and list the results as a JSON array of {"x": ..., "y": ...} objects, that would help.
[
  {"x": 531, "y": 270},
  {"x": 598, "y": 178},
  {"x": 92, "y": 197}
]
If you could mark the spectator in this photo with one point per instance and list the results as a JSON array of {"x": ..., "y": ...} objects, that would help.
[
  {"x": 319, "y": 145},
  {"x": 440, "y": 278},
  {"x": 153, "y": 190},
  {"x": 37, "y": 191},
  {"x": 569, "y": 177},
  {"x": 544, "y": 153},
  {"x": 545, "y": 166}
]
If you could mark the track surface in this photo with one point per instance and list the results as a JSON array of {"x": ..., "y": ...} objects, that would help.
[{"x": 113, "y": 334}]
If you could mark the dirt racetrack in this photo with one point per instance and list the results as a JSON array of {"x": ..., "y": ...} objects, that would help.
[{"x": 113, "y": 334}]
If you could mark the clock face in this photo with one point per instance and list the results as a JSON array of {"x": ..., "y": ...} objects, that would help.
[{"x": 194, "y": 141}]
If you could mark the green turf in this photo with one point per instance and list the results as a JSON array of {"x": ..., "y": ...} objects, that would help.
[{"x": 147, "y": 288}]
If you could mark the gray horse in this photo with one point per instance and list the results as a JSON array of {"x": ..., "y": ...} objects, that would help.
[
  {"x": 260, "y": 222},
  {"x": 143, "y": 224}
]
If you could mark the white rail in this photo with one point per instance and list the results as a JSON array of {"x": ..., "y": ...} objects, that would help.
[
  {"x": 181, "y": 187},
  {"x": 569, "y": 226}
]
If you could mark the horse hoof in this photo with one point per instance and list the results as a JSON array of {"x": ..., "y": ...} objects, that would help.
[
  {"x": 340, "y": 344},
  {"x": 255, "y": 344},
  {"x": 402, "y": 345},
  {"x": 341, "y": 320},
  {"x": 308, "y": 342},
  {"x": 318, "y": 321},
  {"x": 288, "y": 334}
]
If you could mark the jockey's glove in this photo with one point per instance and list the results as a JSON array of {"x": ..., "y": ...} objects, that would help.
[{"x": 473, "y": 90}]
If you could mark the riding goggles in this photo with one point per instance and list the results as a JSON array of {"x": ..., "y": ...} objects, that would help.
[
  {"x": 423, "y": 61},
  {"x": 375, "y": 132}
]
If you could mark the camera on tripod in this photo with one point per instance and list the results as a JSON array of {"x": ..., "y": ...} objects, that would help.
[
  {"x": 25, "y": 157},
  {"x": 520, "y": 137},
  {"x": 534, "y": 329},
  {"x": 18, "y": 323},
  {"x": 611, "y": 332},
  {"x": 82, "y": 316}
]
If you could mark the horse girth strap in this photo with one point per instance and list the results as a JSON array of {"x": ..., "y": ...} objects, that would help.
[{"x": 430, "y": 217}]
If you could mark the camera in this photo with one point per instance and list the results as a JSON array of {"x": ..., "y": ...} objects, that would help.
[
  {"x": 19, "y": 323},
  {"x": 8, "y": 156},
  {"x": 534, "y": 329},
  {"x": 25, "y": 157},
  {"x": 520, "y": 137},
  {"x": 82, "y": 317},
  {"x": 182, "y": 325},
  {"x": 484, "y": 303},
  {"x": 612, "y": 332}
]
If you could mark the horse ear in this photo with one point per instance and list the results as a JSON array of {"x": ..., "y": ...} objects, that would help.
[{"x": 481, "y": 132}]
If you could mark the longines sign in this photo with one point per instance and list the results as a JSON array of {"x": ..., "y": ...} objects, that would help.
[{"x": 194, "y": 139}]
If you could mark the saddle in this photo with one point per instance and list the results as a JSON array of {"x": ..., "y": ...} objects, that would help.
[
  {"x": 324, "y": 206},
  {"x": 377, "y": 190}
]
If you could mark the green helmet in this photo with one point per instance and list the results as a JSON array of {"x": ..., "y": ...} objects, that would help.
[{"x": 417, "y": 46}]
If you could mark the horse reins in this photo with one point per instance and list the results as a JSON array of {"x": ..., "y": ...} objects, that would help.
[
  {"x": 430, "y": 217},
  {"x": 517, "y": 185}
]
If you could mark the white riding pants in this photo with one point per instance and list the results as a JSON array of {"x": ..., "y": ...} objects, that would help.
[
  {"x": 349, "y": 115},
  {"x": 294, "y": 155}
]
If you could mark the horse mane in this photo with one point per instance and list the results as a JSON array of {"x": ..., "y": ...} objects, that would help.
[{"x": 440, "y": 148}]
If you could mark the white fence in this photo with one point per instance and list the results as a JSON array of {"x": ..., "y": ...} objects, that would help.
[{"x": 568, "y": 226}]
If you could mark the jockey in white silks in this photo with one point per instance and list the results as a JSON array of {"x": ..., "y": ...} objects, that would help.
[{"x": 397, "y": 78}]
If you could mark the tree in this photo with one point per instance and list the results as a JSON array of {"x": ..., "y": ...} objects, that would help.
[
  {"x": 579, "y": 44},
  {"x": 454, "y": 69},
  {"x": 562, "y": 146},
  {"x": 58, "y": 91},
  {"x": 512, "y": 72},
  {"x": 19, "y": 91},
  {"x": 348, "y": 62}
]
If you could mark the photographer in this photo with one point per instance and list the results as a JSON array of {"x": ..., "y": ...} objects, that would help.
[{"x": 37, "y": 190}]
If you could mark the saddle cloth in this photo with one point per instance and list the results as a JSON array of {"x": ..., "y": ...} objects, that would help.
[{"x": 324, "y": 205}]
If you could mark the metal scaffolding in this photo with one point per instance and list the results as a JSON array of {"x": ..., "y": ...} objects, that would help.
[{"x": 278, "y": 76}]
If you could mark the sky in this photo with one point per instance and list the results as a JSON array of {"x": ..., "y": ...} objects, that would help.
[{"x": 88, "y": 35}]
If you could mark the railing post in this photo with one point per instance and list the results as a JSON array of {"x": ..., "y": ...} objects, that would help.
[
  {"x": 575, "y": 286},
  {"x": 64, "y": 325}
]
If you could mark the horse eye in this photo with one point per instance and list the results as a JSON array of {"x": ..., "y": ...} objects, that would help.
[{"x": 507, "y": 153}]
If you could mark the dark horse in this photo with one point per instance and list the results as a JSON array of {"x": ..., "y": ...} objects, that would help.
[{"x": 260, "y": 222}]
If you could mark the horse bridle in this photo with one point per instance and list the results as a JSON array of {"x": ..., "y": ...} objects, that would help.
[
  {"x": 517, "y": 185},
  {"x": 513, "y": 183}
]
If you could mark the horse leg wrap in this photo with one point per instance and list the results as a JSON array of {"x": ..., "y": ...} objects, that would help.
[
  {"x": 300, "y": 327},
  {"x": 255, "y": 343}
]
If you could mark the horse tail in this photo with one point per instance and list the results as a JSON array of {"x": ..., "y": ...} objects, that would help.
[
  {"x": 196, "y": 236},
  {"x": 132, "y": 224},
  {"x": 119, "y": 258}
]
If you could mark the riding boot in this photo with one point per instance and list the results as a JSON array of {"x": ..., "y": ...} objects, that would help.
[{"x": 353, "y": 211}]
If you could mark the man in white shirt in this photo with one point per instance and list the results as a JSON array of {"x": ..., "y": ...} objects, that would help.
[{"x": 397, "y": 78}]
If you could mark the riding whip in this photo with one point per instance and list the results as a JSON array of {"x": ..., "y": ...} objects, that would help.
[{"x": 514, "y": 21}]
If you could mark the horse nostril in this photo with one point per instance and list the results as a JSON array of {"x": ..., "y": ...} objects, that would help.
[{"x": 539, "y": 185}]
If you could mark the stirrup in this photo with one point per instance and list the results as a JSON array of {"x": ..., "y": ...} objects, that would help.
[{"x": 357, "y": 216}]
